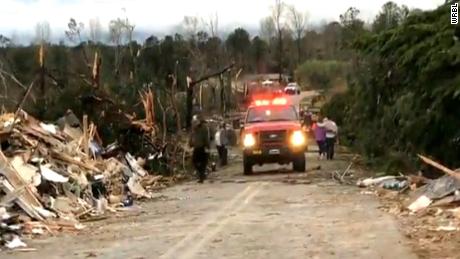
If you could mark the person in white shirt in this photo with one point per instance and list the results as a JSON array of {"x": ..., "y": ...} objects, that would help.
[
  {"x": 221, "y": 144},
  {"x": 331, "y": 137}
]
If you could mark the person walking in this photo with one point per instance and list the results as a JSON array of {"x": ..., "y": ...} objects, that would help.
[
  {"x": 221, "y": 144},
  {"x": 200, "y": 141},
  {"x": 308, "y": 119},
  {"x": 331, "y": 137},
  {"x": 319, "y": 130}
]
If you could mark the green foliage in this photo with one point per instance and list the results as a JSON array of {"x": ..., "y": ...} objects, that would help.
[
  {"x": 404, "y": 90},
  {"x": 237, "y": 43},
  {"x": 391, "y": 16},
  {"x": 259, "y": 51},
  {"x": 320, "y": 74}
]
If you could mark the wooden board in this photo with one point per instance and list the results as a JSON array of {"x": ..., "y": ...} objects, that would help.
[{"x": 26, "y": 200}]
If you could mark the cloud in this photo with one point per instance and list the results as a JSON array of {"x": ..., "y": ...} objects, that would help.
[{"x": 155, "y": 15}]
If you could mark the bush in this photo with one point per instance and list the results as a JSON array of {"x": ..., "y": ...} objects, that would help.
[{"x": 320, "y": 74}]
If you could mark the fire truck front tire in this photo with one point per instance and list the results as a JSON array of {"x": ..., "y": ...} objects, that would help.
[
  {"x": 247, "y": 170},
  {"x": 299, "y": 163}
]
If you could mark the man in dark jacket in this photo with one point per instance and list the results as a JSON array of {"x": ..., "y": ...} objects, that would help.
[{"x": 199, "y": 141}]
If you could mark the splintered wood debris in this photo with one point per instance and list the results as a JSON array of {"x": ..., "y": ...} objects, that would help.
[{"x": 52, "y": 177}]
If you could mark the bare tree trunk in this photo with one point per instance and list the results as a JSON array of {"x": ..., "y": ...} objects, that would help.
[
  {"x": 42, "y": 82},
  {"x": 299, "y": 49},
  {"x": 117, "y": 61},
  {"x": 214, "y": 96},
  {"x": 85, "y": 56},
  {"x": 190, "y": 87},
  {"x": 228, "y": 101},
  {"x": 172, "y": 96},
  {"x": 189, "y": 107},
  {"x": 280, "y": 52},
  {"x": 164, "y": 122},
  {"x": 131, "y": 50},
  {"x": 96, "y": 71},
  {"x": 222, "y": 94},
  {"x": 42, "y": 73},
  {"x": 201, "y": 96}
]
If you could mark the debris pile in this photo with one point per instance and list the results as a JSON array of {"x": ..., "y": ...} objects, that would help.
[
  {"x": 429, "y": 208},
  {"x": 387, "y": 182},
  {"x": 430, "y": 192},
  {"x": 443, "y": 191},
  {"x": 52, "y": 177}
]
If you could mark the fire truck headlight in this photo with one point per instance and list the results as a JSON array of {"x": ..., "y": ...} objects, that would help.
[
  {"x": 298, "y": 138},
  {"x": 249, "y": 140}
]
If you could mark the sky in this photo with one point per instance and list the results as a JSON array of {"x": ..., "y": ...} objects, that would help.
[{"x": 19, "y": 17}]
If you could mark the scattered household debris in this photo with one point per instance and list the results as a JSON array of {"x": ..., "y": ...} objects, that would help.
[
  {"x": 52, "y": 177},
  {"x": 447, "y": 228},
  {"x": 372, "y": 182},
  {"x": 419, "y": 204},
  {"x": 428, "y": 209},
  {"x": 428, "y": 197},
  {"x": 395, "y": 184},
  {"x": 340, "y": 177},
  {"x": 440, "y": 192}
]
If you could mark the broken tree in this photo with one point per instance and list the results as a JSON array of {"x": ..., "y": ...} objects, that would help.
[{"x": 190, "y": 91}]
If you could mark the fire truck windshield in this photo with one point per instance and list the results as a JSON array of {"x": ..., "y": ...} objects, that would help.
[{"x": 271, "y": 113}]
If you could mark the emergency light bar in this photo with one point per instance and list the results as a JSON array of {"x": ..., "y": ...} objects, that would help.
[
  {"x": 262, "y": 102},
  {"x": 276, "y": 101},
  {"x": 279, "y": 101}
]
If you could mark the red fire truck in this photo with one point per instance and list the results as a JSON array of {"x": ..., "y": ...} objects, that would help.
[{"x": 272, "y": 133}]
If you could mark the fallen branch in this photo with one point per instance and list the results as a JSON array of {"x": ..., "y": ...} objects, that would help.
[
  {"x": 206, "y": 77},
  {"x": 21, "y": 103},
  {"x": 190, "y": 91},
  {"x": 346, "y": 171},
  {"x": 440, "y": 167},
  {"x": 12, "y": 77},
  {"x": 340, "y": 177},
  {"x": 70, "y": 160}
]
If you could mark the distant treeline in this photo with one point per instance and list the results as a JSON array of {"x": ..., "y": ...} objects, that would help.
[{"x": 401, "y": 70}]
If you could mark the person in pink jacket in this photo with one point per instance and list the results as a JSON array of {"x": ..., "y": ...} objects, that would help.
[{"x": 319, "y": 130}]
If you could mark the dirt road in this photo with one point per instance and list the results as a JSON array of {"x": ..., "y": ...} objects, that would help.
[{"x": 272, "y": 214}]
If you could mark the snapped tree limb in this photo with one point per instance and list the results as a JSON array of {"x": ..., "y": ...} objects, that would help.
[
  {"x": 190, "y": 91},
  {"x": 217, "y": 73},
  {"x": 446, "y": 170}
]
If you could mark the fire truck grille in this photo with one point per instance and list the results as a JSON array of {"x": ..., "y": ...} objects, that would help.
[{"x": 269, "y": 137}]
